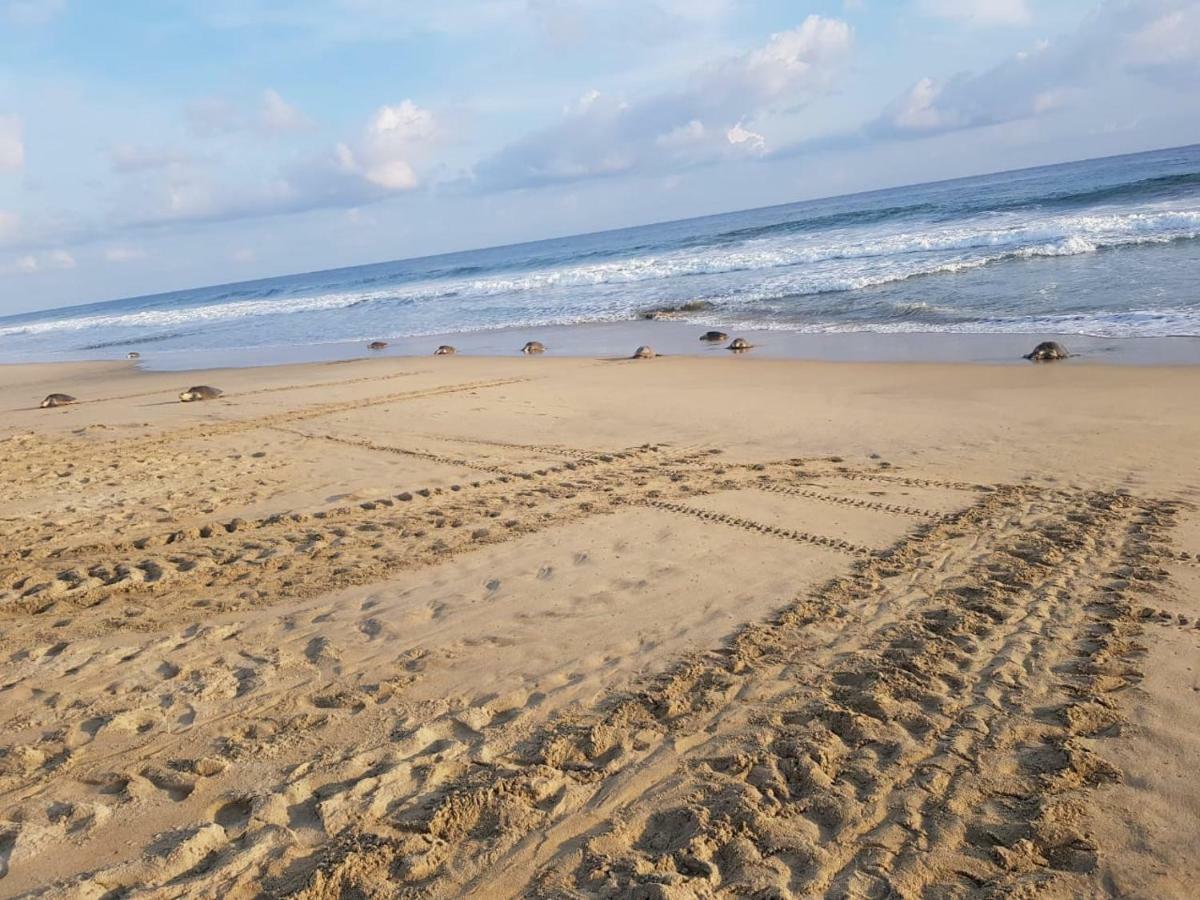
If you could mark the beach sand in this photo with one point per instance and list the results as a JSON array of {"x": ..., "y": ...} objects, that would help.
[{"x": 573, "y": 627}]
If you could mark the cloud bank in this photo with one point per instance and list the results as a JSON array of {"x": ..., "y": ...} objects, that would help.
[
  {"x": 1155, "y": 39},
  {"x": 708, "y": 120}
]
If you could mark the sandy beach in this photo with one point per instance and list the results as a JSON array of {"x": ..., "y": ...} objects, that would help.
[{"x": 669, "y": 628}]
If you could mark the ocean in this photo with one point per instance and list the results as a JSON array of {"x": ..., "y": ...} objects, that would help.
[{"x": 1108, "y": 248}]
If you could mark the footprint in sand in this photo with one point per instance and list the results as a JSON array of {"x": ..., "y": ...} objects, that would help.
[
  {"x": 233, "y": 815},
  {"x": 370, "y": 628}
]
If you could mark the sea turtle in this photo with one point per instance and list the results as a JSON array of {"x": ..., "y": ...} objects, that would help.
[
  {"x": 133, "y": 354},
  {"x": 1048, "y": 351},
  {"x": 739, "y": 344},
  {"x": 200, "y": 392},
  {"x": 57, "y": 400},
  {"x": 644, "y": 352},
  {"x": 444, "y": 350},
  {"x": 714, "y": 337},
  {"x": 533, "y": 347},
  {"x": 377, "y": 345}
]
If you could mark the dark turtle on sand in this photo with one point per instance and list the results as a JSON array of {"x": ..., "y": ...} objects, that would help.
[
  {"x": 644, "y": 352},
  {"x": 57, "y": 400},
  {"x": 1048, "y": 351},
  {"x": 739, "y": 344},
  {"x": 200, "y": 392},
  {"x": 714, "y": 337},
  {"x": 133, "y": 354},
  {"x": 444, "y": 350},
  {"x": 533, "y": 347},
  {"x": 377, "y": 345}
]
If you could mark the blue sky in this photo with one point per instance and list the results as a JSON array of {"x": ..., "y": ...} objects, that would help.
[{"x": 151, "y": 145}]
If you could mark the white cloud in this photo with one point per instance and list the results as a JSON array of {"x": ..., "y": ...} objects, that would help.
[
  {"x": 583, "y": 103},
  {"x": 277, "y": 116},
  {"x": 41, "y": 262},
  {"x": 1159, "y": 39},
  {"x": 33, "y": 12},
  {"x": 802, "y": 58},
  {"x": 392, "y": 154},
  {"x": 751, "y": 139},
  {"x": 710, "y": 118},
  {"x": 916, "y": 109},
  {"x": 979, "y": 13},
  {"x": 272, "y": 116},
  {"x": 1171, "y": 40},
  {"x": 392, "y": 175},
  {"x": 394, "y": 140},
  {"x": 12, "y": 144}
]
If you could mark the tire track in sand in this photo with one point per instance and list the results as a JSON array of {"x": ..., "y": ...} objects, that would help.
[{"x": 936, "y": 757}]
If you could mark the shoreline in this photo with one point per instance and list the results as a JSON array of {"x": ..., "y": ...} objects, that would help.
[{"x": 616, "y": 340}]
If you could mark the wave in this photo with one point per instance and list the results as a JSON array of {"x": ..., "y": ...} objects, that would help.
[
  {"x": 972, "y": 246},
  {"x": 1162, "y": 187},
  {"x": 1147, "y": 190},
  {"x": 799, "y": 269},
  {"x": 207, "y": 314},
  {"x": 822, "y": 222},
  {"x": 135, "y": 341},
  {"x": 1124, "y": 324}
]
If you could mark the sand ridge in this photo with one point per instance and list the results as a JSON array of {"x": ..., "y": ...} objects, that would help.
[{"x": 367, "y": 642}]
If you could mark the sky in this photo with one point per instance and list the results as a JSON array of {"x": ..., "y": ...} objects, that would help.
[{"x": 155, "y": 145}]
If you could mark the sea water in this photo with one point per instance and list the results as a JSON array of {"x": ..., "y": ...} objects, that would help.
[{"x": 1107, "y": 247}]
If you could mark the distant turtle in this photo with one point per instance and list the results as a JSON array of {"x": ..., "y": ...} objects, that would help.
[
  {"x": 644, "y": 352},
  {"x": 377, "y": 345},
  {"x": 53, "y": 400},
  {"x": 133, "y": 354},
  {"x": 444, "y": 350},
  {"x": 533, "y": 347},
  {"x": 200, "y": 392},
  {"x": 739, "y": 344},
  {"x": 714, "y": 337},
  {"x": 1048, "y": 351}
]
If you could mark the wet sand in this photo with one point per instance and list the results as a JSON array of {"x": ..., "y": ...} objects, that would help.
[
  {"x": 618, "y": 339},
  {"x": 547, "y": 626}
]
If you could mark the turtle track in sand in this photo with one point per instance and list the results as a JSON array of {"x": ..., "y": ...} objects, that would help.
[
  {"x": 930, "y": 723},
  {"x": 32, "y": 459},
  {"x": 928, "y": 759}
]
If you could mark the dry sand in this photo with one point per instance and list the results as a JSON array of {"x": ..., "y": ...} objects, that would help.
[{"x": 566, "y": 628}]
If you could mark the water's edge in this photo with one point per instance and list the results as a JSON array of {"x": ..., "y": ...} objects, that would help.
[{"x": 619, "y": 339}]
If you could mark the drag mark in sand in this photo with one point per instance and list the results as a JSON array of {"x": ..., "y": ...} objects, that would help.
[
  {"x": 300, "y": 553},
  {"x": 362, "y": 443},
  {"x": 856, "y": 502},
  {"x": 760, "y": 527},
  {"x": 929, "y": 722},
  {"x": 938, "y": 757}
]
